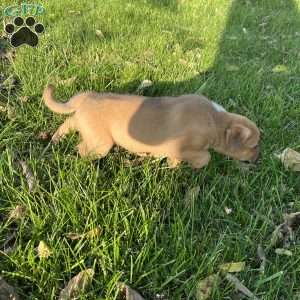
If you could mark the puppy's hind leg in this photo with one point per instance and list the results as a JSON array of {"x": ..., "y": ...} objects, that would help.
[{"x": 64, "y": 128}]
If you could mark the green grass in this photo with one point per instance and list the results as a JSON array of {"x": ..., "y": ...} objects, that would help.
[{"x": 151, "y": 238}]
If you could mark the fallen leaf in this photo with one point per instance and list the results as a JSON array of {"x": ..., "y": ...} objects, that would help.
[
  {"x": 43, "y": 250},
  {"x": 277, "y": 235},
  {"x": 284, "y": 232},
  {"x": 3, "y": 107},
  {"x": 9, "y": 83},
  {"x": 7, "y": 292},
  {"x": 43, "y": 135},
  {"x": 239, "y": 286},
  {"x": 262, "y": 256},
  {"x": 228, "y": 210},
  {"x": 74, "y": 236},
  {"x": 99, "y": 33},
  {"x": 6, "y": 53},
  {"x": 281, "y": 251},
  {"x": 290, "y": 159},
  {"x": 191, "y": 195},
  {"x": 28, "y": 175},
  {"x": 93, "y": 233},
  {"x": 67, "y": 81},
  {"x": 90, "y": 234},
  {"x": 24, "y": 98},
  {"x": 11, "y": 112},
  {"x": 129, "y": 293},
  {"x": 292, "y": 219},
  {"x": 18, "y": 212},
  {"x": 77, "y": 285},
  {"x": 144, "y": 84},
  {"x": 233, "y": 267},
  {"x": 280, "y": 69},
  {"x": 231, "y": 68},
  {"x": 134, "y": 162},
  {"x": 205, "y": 287}
]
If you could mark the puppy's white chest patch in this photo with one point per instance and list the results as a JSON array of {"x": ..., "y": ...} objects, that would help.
[{"x": 218, "y": 107}]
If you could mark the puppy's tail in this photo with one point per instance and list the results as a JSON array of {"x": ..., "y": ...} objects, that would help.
[{"x": 51, "y": 103}]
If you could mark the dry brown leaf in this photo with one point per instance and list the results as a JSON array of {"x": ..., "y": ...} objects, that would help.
[
  {"x": 290, "y": 159},
  {"x": 28, "y": 175},
  {"x": 233, "y": 267},
  {"x": 191, "y": 195},
  {"x": 134, "y": 162},
  {"x": 284, "y": 232},
  {"x": 74, "y": 236},
  {"x": 43, "y": 250},
  {"x": 205, "y": 287},
  {"x": 6, "y": 54},
  {"x": 3, "y": 108},
  {"x": 277, "y": 235},
  {"x": 43, "y": 135},
  {"x": 239, "y": 286},
  {"x": 93, "y": 233},
  {"x": 281, "y": 251},
  {"x": 67, "y": 81},
  {"x": 99, "y": 33},
  {"x": 7, "y": 292},
  {"x": 24, "y": 98},
  {"x": 89, "y": 235},
  {"x": 292, "y": 219},
  {"x": 9, "y": 83},
  {"x": 262, "y": 256},
  {"x": 129, "y": 293},
  {"x": 18, "y": 212},
  {"x": 77, "y": 285},
  {"x": 11, "y": 112}
]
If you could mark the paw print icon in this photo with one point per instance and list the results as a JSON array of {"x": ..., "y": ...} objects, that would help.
[{"x": 21, "y": 32}]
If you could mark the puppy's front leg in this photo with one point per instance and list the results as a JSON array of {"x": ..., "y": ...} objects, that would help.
[
  {"x": 201, "y": 160},
  {"x": 173, "y": 162},
  {"x": 67, "y": 126},
  {"x": 197, "y": 159}
]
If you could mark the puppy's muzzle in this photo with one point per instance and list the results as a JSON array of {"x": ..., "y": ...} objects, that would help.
[{"x": 256, "y": 154}]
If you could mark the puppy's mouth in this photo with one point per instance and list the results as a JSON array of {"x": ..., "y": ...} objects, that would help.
[{"x": 256, "y": 155}]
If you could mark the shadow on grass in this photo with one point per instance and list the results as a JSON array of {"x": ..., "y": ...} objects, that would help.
[
  {"x": 165, "y": 4},
  {"x": 256, "y": 53}
]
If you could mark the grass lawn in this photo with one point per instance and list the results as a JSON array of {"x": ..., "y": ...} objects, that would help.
[{"x": 243, "y": 54}]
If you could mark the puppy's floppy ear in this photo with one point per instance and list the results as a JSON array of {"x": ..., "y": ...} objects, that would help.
[{"x": 237, "y": 135}]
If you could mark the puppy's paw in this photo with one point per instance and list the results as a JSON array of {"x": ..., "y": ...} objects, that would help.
[
  {"x": 173, "y": 162},
  {"x": 82, "y": 149},
  {"x": 55, "y": 139},
  {"x": 201, "y": 161}
]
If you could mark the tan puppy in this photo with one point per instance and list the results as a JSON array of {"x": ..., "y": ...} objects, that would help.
[{"x": 180, "y": 128}]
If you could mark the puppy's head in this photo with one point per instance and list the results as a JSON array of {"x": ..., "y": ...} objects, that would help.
[{"x": 241, "y": 139}]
